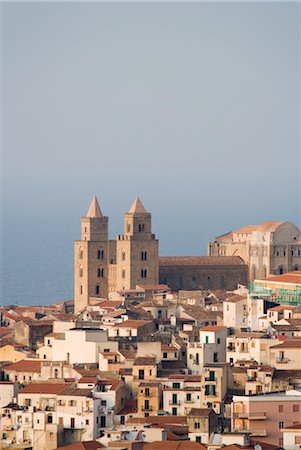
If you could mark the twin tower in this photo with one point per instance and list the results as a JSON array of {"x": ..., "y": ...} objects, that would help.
[{"x": 102, "y": 265}]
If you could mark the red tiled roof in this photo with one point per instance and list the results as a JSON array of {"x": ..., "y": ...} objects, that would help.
[
  {"x": 132, "y": 324},
  {"x": 26, "y": 365},
  {"x": 44, "y": 388}
]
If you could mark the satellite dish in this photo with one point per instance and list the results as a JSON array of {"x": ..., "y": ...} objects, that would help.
[{"x": 257, "y": 447}]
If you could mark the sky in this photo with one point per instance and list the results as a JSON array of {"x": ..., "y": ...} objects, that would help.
[{"x": 195, "y": 107}]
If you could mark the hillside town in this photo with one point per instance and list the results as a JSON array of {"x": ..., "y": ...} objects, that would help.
[{"x": 160, "y": 352}]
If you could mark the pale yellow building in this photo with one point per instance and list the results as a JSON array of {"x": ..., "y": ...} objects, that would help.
[{"x": 272, "y": 247}]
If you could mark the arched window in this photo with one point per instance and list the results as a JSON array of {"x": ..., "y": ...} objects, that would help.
[
  {"x": 141, "y": 227},
  {"x": 223, "y": 282},
  {"x": 128, "y": 227},
  {"x": 123, "y": 256},
  {"x": 81, "y": 271},
  {"x": 123, "y": 273},
  {"x": 97, "y": 290},
  {"x": 280, "y": 270},
  {"x": 209, "y": 283},
  {"x": 264, "y": 270},
  {"x": 100, "y": 254},
  {"x": 143, "y": 256},
  {"x": 81, "y": 254},
  {"x": 81, "y": 288},
  {"x": 100, "y": 272},
  {"x": 143, "y": 273},
  {"x": 193, "y": 282}
]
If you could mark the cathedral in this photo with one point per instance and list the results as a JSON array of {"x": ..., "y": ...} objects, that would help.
[{"x": 102, "y": 265}]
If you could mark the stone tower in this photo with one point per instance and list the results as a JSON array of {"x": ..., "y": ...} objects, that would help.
[
  {"x": 136, "y": 250},
  {"x": 91, "y": 258}
]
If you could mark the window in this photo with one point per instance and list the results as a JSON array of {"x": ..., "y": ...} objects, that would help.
[
  {"x": 72, "y": 402},
  {"x": 281, "y": 425},
  {"x": 81, "y": 254},
  {"x": 100, "y": 254},
  {"x": 141, "y": 227},
  {"x": 215, "y": 357},
  {"x": 81, "y": 272},
  {"x": 165, "y": 355},
  {"x": 197, "y": 425},
  {"x": 123, "y": 273},
  {"x": 209, "y": 389},
  {"x": 141, "y": 374},
  {"x": 81, "y": 288},
  {"x": 188, "y": 397},
  {"x": 143, "y": 256},
  {"x": 100, "y": 272},
  {"x": 174, "y": 411},
  {"x": 280, "y": 408},
  {"x": 206, "y": 339},
  {"x": 87, "y": 421},
  {"x": 123, "y": 256},
  {"x": 97, "y": 290},
  {"x": 176, "y": 385},
  {"x": 295, "y": 408},
  {"x": 143, "y": 273}
]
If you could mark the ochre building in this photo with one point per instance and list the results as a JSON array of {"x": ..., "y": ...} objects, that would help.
[
  {"x": 102, "y": 266},
  {"x": 269, "y": 248}
]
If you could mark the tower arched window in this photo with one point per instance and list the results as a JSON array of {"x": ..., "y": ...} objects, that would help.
[
  {"x": 81, "y": 289},
  {"x": 128, "y": 227},
  {"x": 123, "y": 273},
  {"x": 143, "y": 273},
  {"x": 81, "y": 253},
  {"x": 209, "y": 283},
  {"x": 223, "y": 282},
  {"x": 100, "y": 272},
  {"x": 193, "y": 282},
  {"x": 81, "y": 272},
  {"x": 100, "y": 254},
  {"x": 143, "y": 256},
  {"x": 97, "y": 289},
  {"x": 141, "y": 227},
  {"x": 123, "y": 256}
]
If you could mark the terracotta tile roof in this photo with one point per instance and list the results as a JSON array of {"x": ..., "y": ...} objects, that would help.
[
  {"x": 289, "y": 277},
  {"x": 75, "y": 392},
  {"x": 132, "y": 324},
  {"x": 158, "y": 420},
  {"x": 168, "y": 347},
  {"x": 200, "y": 261},
  {"x": 26, "y": 365},
  {"x": 129, "y": 407},
  {"x": 288, "y": 344},
  {"x": 85, "y": 445},
  {"x": 174, "y": 445},
  {"x": 145, "y": 361},
  {"x": 154, "y": 287},
  {"x": 281, "y": 308},
  {"x": 44, "y": 388},
  {"x": 201, "y": 412},
  {"x": 213, "y": 328}
]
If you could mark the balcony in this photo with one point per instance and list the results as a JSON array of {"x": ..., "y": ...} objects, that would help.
[
  {"x": 210, "y": 379},
  {"x": 174, "y": 402},
  {"x": 230, "y": 349},
  {"x": 147, "y": 408},
  {"x": 250, "y": 416},
  {"x": 262, "y": 432},
  {"x": 282, "y": 360}
]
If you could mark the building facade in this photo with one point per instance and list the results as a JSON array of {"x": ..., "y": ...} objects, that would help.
[
  {"x": 103, "y": 266},
  {"x": 269, "y": 248}
]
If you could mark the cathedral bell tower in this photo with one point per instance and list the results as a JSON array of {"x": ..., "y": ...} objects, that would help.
[
  {"x": 136, "y": 250},
  {"x": 91, "y": 258}
]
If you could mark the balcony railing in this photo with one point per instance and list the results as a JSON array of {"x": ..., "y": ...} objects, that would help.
[
  {"x": 174, "y": 402},
  {"x": 250, "y": 415},
  {"x": 262, "y": 432},
  {"x": 230, "y": 349},
  {"x": 282, "y": 360},
  {"x": 210, "y": 379},
  {"x": 147, "y": 408}
]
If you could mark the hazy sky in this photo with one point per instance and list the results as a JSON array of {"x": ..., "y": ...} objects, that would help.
[{"x": 195, "y": 107}]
